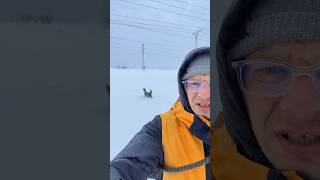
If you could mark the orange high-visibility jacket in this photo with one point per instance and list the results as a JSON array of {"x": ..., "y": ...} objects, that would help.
[
  {"x": 180, "y": 146},
  {"x": 172, "y": 139}
]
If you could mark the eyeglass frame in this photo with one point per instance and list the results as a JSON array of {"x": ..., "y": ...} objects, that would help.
[
  {"x": 295, "y": 72},
  {"x": 184, "y": 82}
]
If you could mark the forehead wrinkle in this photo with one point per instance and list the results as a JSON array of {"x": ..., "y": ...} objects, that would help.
[
  {"x": 296, "y": 52},
  {"x": 275, "y": 51}
]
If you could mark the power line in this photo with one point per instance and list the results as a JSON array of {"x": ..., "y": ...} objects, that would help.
[
  {"x": 159, "y": 31},
  {"x": 159, "y": 9},
  {"x": 155, "y": 30},
  {"x": 160, "y": 45},
  {"x": 166, "y": 31},
  {"x": 148, "y": 42},
  {"x": 149, "y": 46},
  {"x": 164, "y": 28},
  {"x": 148, "y": 50},
  {"x": 151, "y": 50},
  {"x": 147, "y": 24},
  {"x": 151, "y": 20},
  {"x": 170, "y": 5},
  {"x": 183, "y": 2}
]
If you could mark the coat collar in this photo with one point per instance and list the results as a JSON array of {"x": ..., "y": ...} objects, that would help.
[
  {"x": 199, "y": 126},
  {"x": 228, "y": 163}
]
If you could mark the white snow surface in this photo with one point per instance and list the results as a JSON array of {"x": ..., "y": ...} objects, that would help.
[{"x": 129, "y": 109}]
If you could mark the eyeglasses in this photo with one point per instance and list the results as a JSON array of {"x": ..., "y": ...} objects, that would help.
[
  {"x": 195, "y": 85},
  {"x": 266, "y": 77}
]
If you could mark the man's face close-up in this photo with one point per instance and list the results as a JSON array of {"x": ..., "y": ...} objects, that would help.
[
  {"x": 281, "y": 85},
  {"x": 198, "y": 92}
]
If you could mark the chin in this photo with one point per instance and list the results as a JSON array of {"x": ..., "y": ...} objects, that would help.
[{"x": 291, "y": 158}]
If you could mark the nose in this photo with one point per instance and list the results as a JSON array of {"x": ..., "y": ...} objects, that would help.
[
  {"x": 303, "y": 97},
  {"x": 204, "y": 90}
]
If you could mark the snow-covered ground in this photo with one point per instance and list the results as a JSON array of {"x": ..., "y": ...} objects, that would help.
[{"x": 129, "y": 109}]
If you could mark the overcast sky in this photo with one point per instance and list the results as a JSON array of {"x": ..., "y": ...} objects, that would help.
[{"x": 164, "y": 27}]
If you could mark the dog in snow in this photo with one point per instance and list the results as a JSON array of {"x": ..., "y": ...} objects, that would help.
[{"x": 147, "y": 94}]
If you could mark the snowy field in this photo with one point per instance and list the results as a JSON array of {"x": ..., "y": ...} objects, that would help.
[{"x": 129, "y": 109}]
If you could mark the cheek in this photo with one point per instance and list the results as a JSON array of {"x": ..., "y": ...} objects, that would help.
[
  {"x": 262, "y": 112},
  {"x": 190, "y": 98}
]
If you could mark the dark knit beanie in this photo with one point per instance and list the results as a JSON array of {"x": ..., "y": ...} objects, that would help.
[
  {"x": 199, "y": 65},
  {"x": 279, "y": 21}
]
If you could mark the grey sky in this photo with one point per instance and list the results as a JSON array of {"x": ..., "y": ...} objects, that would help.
[{"x": 165, "y": 28}]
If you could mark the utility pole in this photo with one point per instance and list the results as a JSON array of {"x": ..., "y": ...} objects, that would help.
[
  {"x": 143, "y": 66},
  {"x": 196, "y": 34}
]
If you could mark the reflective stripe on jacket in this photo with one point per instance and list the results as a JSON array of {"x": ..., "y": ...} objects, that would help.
[{"x": 180, "y": 146}]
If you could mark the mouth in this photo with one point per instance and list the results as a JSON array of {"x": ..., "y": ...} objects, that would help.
[
  {"x": 204, "y": 106},
  {"x": 299, "y": 142},
  {"x": 300, "y": 138}
]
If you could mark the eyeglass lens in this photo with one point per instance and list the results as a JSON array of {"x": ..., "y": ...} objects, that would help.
[
  {"x": 196, "y": 85},
  {"x": 263, "y": 78}
]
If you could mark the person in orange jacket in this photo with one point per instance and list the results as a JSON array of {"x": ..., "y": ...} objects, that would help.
[
  {"x": 268, "y": 54},
  {"x": 175, "y": 144}
]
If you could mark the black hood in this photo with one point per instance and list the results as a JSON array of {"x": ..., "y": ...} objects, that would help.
[
  {"x": 234, "y": 109},
  {"x": 183, "y": 69}
]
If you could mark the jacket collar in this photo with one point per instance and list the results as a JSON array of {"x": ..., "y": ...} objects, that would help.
[
  {"x": 199, "y": 126},
  {"x": 228, "y": 163}
]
